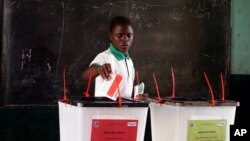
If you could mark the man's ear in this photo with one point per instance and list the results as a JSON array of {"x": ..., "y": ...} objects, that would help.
[{"x": 110, "y": 36}]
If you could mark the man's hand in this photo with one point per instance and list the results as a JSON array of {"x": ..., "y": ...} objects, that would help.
[{"x": 105, "y": 70}]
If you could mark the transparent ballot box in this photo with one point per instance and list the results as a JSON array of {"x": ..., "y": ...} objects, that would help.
[
  {"x": 187, "y": 119},
  {"x": 101, "y": 119}
]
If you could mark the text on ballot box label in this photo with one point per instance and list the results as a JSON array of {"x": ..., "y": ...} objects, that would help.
[
  {"x": 114, "y": 129},
  {"x": 207, "y": 130}
]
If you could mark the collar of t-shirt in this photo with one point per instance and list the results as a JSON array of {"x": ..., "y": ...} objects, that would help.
[{"x": 118, "y": 55}]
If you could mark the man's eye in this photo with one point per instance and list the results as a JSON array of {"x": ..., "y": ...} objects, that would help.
[
  {"x": 119, "y": 35},
  {"x": 129, "y": 35}
]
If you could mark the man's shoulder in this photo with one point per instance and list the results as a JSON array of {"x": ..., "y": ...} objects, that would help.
[{"x": 105, "y": 53}]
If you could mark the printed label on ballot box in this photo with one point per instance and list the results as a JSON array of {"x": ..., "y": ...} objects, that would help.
[
  {"x": 207, "y": 130},
  {"x": 114, "y": 129}
]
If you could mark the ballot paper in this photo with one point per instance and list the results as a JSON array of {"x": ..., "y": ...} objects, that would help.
[
  {"x": 115, "y": 129},
  {"x": 138, "y": 89},
  {"x": 110, "y": 86}
]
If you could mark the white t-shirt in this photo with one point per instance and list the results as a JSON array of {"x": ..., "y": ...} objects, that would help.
[{"x": 120, "y": 64}]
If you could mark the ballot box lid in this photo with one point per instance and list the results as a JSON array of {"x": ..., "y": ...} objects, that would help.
[
  {"x": 195, "y": 101},
  {"x": 104, "y": 102}
]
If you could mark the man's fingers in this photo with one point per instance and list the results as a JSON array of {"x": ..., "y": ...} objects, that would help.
[
  {"x": 108, "y": 67},
  {"x": 101, "y": 72},
  {"x": 105, "y": 71}
]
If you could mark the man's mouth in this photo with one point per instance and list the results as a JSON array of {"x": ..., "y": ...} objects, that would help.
[{"x": 124, "y": 47}]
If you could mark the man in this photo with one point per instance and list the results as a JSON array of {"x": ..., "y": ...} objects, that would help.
[{"x": 115, "y": 60}]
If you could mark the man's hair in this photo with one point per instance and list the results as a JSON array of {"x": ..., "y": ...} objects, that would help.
[{"x": 119, "y": 20}]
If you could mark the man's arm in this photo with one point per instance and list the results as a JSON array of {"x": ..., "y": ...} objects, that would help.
[{"x": 95, "y": 70}]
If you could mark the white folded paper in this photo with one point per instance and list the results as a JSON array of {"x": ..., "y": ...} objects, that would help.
[
  {"x": 110, "y": 87},
  {"x": 138, "y": 89}
]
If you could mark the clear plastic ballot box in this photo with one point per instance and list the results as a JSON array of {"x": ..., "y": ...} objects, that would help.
[
  {"x": 184, "y": 119},
  {"x": 100, "y": 119}
]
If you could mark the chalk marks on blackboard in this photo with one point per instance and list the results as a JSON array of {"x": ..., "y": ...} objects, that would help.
[
  {"x": 26, "y": 61},
  {"x": 48, "y": 66},
  {"x": 25, "y": 58},
  {"x": 206, "y": 55},
  {"x": 108, "y": 8},
  {"x": 177, "y": 15},
  {"x": 203, "y": 9},
  {"x": 199, "y": 14},
  {"x": 138, "y": 13},
  {"x": 200, "y": 11},
  {"x": 141, "y": 6},
  {"x": 61, "y": 39}
]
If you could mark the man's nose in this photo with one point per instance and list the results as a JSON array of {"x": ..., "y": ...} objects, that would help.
[{"x": 125, "y": 37}]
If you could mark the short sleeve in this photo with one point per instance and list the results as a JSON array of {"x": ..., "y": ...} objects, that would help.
[{"x": 100, "y": 59}]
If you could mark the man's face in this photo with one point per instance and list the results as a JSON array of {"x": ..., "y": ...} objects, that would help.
[{"x": 122, "y": 37}]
